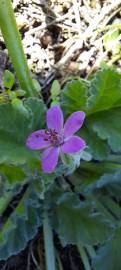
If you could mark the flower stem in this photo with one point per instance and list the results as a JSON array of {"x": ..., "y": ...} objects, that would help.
[
  {"x": 15, "y": 49},
  {"x": 91, "y": 251},
  {"x": 60, "y": 267},
  {"x": 48, "y": 242},
  {"x": 4, "y": 201},
  {"x": 84, "y": 257}
]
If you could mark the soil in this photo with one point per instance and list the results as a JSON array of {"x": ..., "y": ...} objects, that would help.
[
  {"x": 60, "y": 39},
  {"x": 64, "y": 38}
]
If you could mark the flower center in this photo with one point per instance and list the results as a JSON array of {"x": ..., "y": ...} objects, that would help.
[{"x": 53, "y": 137}]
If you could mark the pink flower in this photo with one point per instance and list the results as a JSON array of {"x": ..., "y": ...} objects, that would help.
[{"x": 57, "y": 138}]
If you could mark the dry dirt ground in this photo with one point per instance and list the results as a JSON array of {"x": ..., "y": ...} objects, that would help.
[{"x": 62, "y": 39}]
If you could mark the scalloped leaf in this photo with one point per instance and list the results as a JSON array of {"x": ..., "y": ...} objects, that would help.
[
  {"x": 97, "y": 96},
  {"x": 105, "y": 90},
  {"x": 101, "y": 93},
  {"x": 111, "y": 182},
  {"x": 109, "y": 178},
  {"x": 107, "y": 125},
  {"x": 38, "y": 110},
  {"x": 78, "y": 222},
  {"x": 15, "y": 126},
  {"x": 13, "y": 174},
  {"x": 89, "y": 174},
  {"x": 74, "y": 96},
  {"x": 97, "y": 147},
  {"x": 21, "y": 226},
  {"x": 109, "y": 256}
]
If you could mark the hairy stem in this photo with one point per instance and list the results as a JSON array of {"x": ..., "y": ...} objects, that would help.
[
  {"x": 91, "y": 251},
  {"x": 4, "y": 201},
  {"x": 15, "y": 49},
  {"x": 48, "y": 242},
  {"x": 84, "y": 257},
  {"x": 60, "y": 267}
]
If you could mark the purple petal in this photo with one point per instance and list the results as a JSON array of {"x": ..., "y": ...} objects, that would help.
[
  {"x": 50, "y": 159},
  {"x": 36, "y": 140},
  {"x": 73, "y": 123},
  {"x": 73, "y": 144},
  {"x": 55, "y": 119}
]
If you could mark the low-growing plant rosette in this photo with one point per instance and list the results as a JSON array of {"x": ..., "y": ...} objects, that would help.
[{"x": 57, "y": 138}]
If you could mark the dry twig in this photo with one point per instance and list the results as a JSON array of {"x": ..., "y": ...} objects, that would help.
[{"x": 89, "y": 31}]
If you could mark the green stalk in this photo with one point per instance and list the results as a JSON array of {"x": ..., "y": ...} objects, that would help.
[
  {"x": 48, "y": 243},
  {"x": 84, "y": 257},
  {"x": 4, "y": 201},
  {"x": 15, "y": 49},
  {"x": 58, "y": 261},
  {"x": 90, "y": 251}
]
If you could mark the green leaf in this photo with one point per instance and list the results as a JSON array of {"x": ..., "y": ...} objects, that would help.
[
  {"x": 38, "y": 110},
  {"x": 107, "y": 125},
  {"x": 15, "y": 126},
  {"x": 109, "y": 178},
  {"x": 98, "y": 98},
  {"x": 109, "y": 256},
  {"x": 105, "y": 90},
  {"x": 100, "y": 94},
  {"x": 78, "y": 222},
  {"x": 74, "y": 96},
  {"x": 112, "y": 206},
  {"x": 111, "y": 182},
  {"x": 21, "y": 226},
  {"x": 110, "y": 39},
  {"x": 8, "y": 79},
  {"x": 55, "y": 89},
  {"x": 20, "y": 93},
  {"x": 4, "y": 201},
  {"x": 12, "y": 173},
  {"x": 19, "y": 106},
  {"x": 70, "y": 162},
  {"x": 97, "y": 147},
  {"x": 36, "y": 85},
  {"x": 88, "y": 174}
]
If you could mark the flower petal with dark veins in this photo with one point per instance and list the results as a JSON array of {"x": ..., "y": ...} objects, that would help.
[{"x": 37, "y": 140}]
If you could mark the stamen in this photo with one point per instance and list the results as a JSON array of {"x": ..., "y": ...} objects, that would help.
[{"x": 53, "y": 137}]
